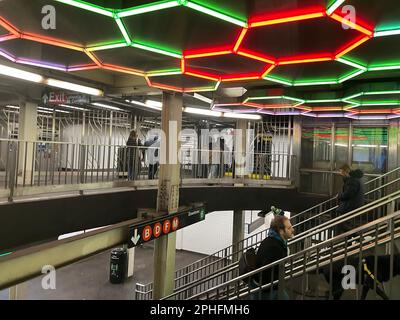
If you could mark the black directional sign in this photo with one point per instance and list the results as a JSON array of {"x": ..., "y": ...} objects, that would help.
[{"x": 167, "y": 224}]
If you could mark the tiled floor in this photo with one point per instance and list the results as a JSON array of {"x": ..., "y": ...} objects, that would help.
[{"x": 89, "y": 278}]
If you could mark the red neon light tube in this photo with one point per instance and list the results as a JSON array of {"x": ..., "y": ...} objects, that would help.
[
  {"x": 255, "y": 56},
  {"x": 202, "y": 75},
  {"x": 369, "y": 32},
  {"x": 210, "y": 52},
  {"x": 295, "y": 60},
  {"x": 267, "y": 21},
  {"x": 51, "y": 41},
  {"x": 351, "y": 47},
  {"x": 165, "y": 87},
  {"x": 9, "y": 27}
]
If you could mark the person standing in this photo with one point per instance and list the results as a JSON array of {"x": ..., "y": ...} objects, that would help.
[
  {"x": 133, "y": 155},
  {"x": 351, "y": 197},
  {"x": 153, "y": 156}
]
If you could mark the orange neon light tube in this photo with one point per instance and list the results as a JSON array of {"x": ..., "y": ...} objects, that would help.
[
  {"x": 352, "y": 25},
  {"x": 268, "y": 70},
  {"x": 351, "y": 47},
  {"x": 122, "y": 69},
  {"x": 93, "y": 58},
  {"x": 288, "y": 19},
  {"x": 207, "y": 54},
  {"x": 9, "y": 27},
  {"x": 255, "y": 56},
  {"x": 201, "y": 75},
  {"x": 51, "y": 41},
  {"x": 240, "y": 39},
  {"x": 305, "y": 60}
]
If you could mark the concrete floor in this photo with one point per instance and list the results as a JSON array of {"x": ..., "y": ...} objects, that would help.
[{"x": 88, "y": 279}]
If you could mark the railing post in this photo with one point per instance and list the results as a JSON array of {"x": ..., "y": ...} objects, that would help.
[
  {"x": 82, "y": 164},
  {"x": 281, "y": 283},
  {"x": 12, "y": 149}
]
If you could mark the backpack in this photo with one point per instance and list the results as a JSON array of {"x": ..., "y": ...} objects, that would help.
[{"x": 247, "y": 263}]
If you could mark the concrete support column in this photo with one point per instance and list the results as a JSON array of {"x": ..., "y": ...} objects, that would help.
[
  {"x": 27, "y": 132},
  {"x": 240, "y": 149},
  {"x": 238, "y": 232},
  {"x": 168, "y": 193}
]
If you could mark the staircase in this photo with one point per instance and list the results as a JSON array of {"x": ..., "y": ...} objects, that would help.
[{"x": 313, "y": 221}]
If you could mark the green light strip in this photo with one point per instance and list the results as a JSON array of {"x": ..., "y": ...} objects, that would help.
[
  {"x": 381, "y": 92},
  {"x": 352, "y": 64},
  {"x": 5, "y": 254},
  {"x": 379, "y": 103},
  {"x": 351, "y": 76},
  {"x": 108, "y": 46},
  {"x": 88, "y": 6},
  {"x": 123, "y": 31},
  {"x": 148, "y": 8},
  {"x": 314, "y": 83},
  {"x": 277, "y": 80},
  {"x": 382, "y": 68},
  {"x": 324, "y": 101},
  {"x": 160, "y": 73},
  {"x": 215, "y": 14},
  {"x": 384, "y": 33},
  {"x": 334, "y": 6},
  {"x": 156, "y": 50}
]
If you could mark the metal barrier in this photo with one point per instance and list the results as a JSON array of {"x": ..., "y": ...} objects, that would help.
[{"x": 39, "y": 164}]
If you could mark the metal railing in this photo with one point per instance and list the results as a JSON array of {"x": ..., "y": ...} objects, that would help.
[
  {"x": 300, "y": 243},
  {"x": 37, "y": 163},
  {"x": 207, "y": 266},
  {"x": 227, "y": 284}
]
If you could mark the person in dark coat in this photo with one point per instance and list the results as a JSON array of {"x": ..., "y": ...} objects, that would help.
[
  {"x": 352, "y": 195},
  {"x": 272, "y": 249},
  {"x": 133, "y": 155}
]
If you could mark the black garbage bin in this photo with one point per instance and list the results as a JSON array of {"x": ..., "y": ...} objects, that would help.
[{"x": 118, "y": 265}]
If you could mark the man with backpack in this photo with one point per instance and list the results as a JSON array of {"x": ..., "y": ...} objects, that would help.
[{"x": 273, "y": 248}]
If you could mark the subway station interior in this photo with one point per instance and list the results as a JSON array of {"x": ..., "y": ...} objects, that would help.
[{"x": 146, "y": 146}]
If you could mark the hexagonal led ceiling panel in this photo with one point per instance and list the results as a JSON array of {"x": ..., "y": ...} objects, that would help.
[
  {"x": 290, "y": 37},
  {"x": 136, "y": 60},
  {"x": 82, "y": 27},
  {"x": 223, "y": 66},
  {"x": 44, "y": 55},
  {"x": 318, "y": 73},
  {"x": 181, "y": 83}
]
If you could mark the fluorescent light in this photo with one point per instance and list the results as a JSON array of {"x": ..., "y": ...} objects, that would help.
[
  {"x": 12, "y": 107},
  {"x": 202, "y": 98},
  {"x": 49, "y": 110},
  {"x": 203, "y": 112},
  {"x": 369, "y": 146},
  {"x": 154, "y": 104},
  {"x": 72, "y": 107},
  {"x": 106, "y": 106},
  {"x": 20, "y": 74},
  {"x": 74, "y": 87},
  {"x": 341, "y": 145},
  {"x": 242, "y": 116},
  {"x": 137, "y": 103}
]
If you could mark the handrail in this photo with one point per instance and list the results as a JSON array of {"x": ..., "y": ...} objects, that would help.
[
  {"x": 333, "y": 198},
  {"x": 301, "y": 253},
  {"x": 335, "y": 222}
]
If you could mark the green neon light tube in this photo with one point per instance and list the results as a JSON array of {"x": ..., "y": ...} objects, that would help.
[
  {"x": 156, "y": 50},
  {"x": 148, "y": 8},
  {"x": 88, "y": 6}
]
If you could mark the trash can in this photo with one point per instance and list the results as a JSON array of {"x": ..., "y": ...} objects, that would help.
[{"x": 118, "y": 265}]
